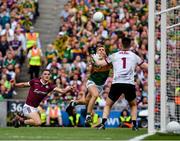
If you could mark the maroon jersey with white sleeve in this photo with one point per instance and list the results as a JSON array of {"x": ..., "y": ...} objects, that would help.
[
  {"x": 37, "y": 92},
  {"x": 124, "y": 63}
]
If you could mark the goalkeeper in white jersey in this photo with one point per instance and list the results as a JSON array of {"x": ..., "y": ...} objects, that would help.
[
  {"x": 124, "y": 63},
  {"x": 95, "y": 84}
]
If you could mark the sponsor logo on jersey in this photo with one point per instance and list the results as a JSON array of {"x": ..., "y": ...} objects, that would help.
[{"x": 39, "y": 92}]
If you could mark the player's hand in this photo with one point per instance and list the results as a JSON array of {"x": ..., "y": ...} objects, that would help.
[
  {"x": 70, "y": 88},
  {"x": 95, "y": 57}
]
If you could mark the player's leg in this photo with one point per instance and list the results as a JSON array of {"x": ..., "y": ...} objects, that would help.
[
  {"x": 33, "y": 119},
  {"x": 130, "y": 96},
  {"x": 83, "y": 100},
  {"x": 93, "y": 91},
  {"x": 106, "y": 111},
  {"x": 113, "y": 96},
  {"x": 30, "y": 117},
  {"x": 133, "y": 107}
]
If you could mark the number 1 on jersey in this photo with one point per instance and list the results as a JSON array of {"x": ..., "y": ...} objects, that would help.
[{"x": 124, "y": 62}]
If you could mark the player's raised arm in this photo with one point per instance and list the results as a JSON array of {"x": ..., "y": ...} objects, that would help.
[{"x": 22, "y": 84}]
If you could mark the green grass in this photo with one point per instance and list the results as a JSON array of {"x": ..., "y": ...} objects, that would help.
[
  {"x": 36, "y": 133},
  {"x": 162, "y": 136}
]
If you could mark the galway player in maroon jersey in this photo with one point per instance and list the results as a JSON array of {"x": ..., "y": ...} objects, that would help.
[{"x": 39, "y": 89}]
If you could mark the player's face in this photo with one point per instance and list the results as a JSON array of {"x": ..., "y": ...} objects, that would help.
[
  {"x": 101, "y": 51},
  {"x": 46, "y": 75}
]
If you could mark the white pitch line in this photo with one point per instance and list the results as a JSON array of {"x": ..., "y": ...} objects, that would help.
[{"x": 141, "y": 137}]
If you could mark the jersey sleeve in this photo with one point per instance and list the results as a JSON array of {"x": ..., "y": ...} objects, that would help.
[
  {"x": 31, "y": 82},
  {"x": 51, "y": 87},
  {"x": 110, "y": 58}
]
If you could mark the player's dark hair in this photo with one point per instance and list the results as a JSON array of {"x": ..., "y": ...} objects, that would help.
[
  {"x": 126, "y": 42},
  {"x": 46, "y": 70}
]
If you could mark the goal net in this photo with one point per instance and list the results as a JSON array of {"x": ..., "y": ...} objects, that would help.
[{"x": 164, "y": 49}]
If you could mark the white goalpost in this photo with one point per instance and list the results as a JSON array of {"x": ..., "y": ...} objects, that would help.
[{"x": 163, "y": 64}]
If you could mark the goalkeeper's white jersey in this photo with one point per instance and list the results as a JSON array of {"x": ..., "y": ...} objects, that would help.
[{"x": 124, "y": 63}]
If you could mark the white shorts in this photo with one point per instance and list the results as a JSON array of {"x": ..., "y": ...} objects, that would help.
[
  {"x": 28, "y": 109},
  {"x": 100, "y": 88}
]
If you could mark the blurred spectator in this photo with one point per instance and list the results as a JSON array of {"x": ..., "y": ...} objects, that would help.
[
  {"x": 54, "y": 64},
  {"x": 6, "y": 87},
  {"x": 74, "y": 118},
  {"x": 54, "y": 117},
  {"x": 50, "y": 53},
  {"x": 32, "y": 38},
  {"x": 1, "y": 60},
  {"x": 66, "y": 65},
  {"x": 35, "y": 61},
  {"x": 16, "y": 45},
  {"x": 125, "y": 119},
  {"x": 122, "y": 103},
  {"x": 64, "y": 13},
  {"x": 42, "y": 112},
  {"x": 144, "y": 104},
  {"x": 8, "y": 32},
  {"x": 80, "y": 64},
  {"x": 11, "y": 63},
  {"x": 21, "y": 37},
  {"x": 5, "y": 18},
  {"x": 4, "y": 46}
]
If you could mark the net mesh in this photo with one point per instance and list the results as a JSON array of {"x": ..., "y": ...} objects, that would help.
[{"x": 172, "y": 61}]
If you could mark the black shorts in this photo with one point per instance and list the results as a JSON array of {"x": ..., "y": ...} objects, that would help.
[{"x": 118, "y": 89}]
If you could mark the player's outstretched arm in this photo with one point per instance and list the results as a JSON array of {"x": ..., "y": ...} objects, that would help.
[
  {"x": 64, "y": 91},
  {"x": 22, "y": 84}
]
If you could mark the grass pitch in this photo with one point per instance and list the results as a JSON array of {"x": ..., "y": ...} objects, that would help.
[
  {"x": 38, "y": 133},
  {"x": 163, "y": 136}
]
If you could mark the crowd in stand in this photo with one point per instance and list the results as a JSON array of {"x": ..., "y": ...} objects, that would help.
[
  {"x": 78, "y": 37},
  {"x": 16, "y": 18}
]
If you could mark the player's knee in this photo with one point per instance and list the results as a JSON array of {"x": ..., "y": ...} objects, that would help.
[
  {"x": 86, "y": 102},
  {"x": 95, "y": 96}
]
